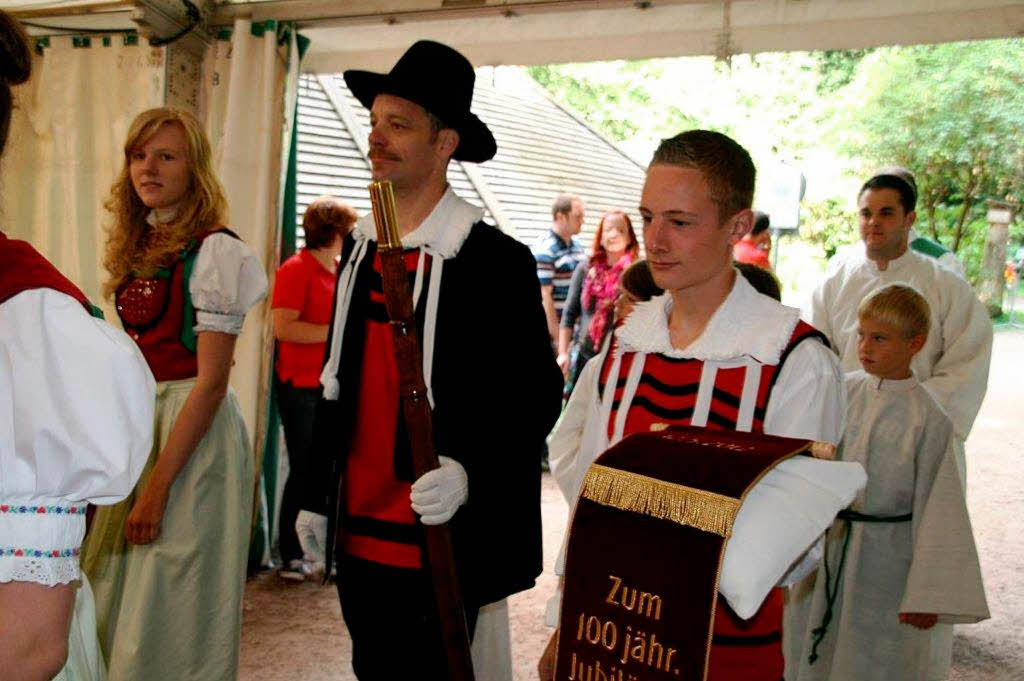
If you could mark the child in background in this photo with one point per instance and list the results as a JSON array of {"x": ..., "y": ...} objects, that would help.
[
  {"x": 635, "y": 286},
  {"x": 901, "y": 564}
]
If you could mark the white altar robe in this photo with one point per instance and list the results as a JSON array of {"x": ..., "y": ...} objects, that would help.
[{"x": 929, "y": 564}]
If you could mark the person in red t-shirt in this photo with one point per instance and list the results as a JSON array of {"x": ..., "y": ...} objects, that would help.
[
  {"x": 303, "y": 292},
  {"x": 756, "y": 244}
]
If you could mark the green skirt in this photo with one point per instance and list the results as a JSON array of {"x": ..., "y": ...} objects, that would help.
[{"x": 172, "y": 609}]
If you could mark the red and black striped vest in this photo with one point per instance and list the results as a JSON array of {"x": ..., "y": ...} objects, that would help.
[
  {"x": 720, "y": 396},
  {"x": 379, "y": 523}
]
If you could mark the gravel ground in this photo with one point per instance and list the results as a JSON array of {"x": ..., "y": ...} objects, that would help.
[{"x": 295, "y": 632}]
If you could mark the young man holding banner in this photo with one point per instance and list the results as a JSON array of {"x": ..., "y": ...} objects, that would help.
[{"x": 711, "y": 352}]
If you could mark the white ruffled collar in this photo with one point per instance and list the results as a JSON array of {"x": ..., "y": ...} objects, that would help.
[
  {"x": 442, "y": 232},
  {"x": 747, "y": 323},
  {"x": 162, "y": 216}
]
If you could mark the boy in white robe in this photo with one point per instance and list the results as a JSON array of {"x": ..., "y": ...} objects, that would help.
[{"x": 901, "y": 564}]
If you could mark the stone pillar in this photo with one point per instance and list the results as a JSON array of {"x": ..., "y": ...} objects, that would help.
[{"x": 990, "y": 283}]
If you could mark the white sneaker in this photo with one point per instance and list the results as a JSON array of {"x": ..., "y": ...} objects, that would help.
[{"x": 294, "y": 570}]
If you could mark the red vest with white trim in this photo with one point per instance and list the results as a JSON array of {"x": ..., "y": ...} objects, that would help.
[
  {"x": 670, "y": 391},
  {"x": 158, "y": 314}
]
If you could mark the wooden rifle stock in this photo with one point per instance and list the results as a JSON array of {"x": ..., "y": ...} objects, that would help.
[{"x": 419, "y": 422}]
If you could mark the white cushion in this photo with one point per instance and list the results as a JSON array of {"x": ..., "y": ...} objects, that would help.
[{"x": 779, "y": 523}]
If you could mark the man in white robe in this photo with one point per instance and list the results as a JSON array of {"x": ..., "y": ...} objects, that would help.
[{"x": 954, "y": 363}]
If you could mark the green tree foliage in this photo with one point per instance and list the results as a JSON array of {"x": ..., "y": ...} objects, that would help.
[
  {"x": 954, "y": 115},
  {"x": 829, "y": 223},
  {"x": 615, "y": 97},
  {"x": 837, "y": 68},
  {"x": 758, "y": 99}
]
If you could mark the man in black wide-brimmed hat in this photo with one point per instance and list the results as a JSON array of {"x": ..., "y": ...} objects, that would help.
[{"x": 491, "y": 378}]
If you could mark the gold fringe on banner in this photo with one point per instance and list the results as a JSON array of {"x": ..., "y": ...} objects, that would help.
[{"x": 705, "y": 511}]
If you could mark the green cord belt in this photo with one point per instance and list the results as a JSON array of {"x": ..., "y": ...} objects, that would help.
[{"x": 832, "y": 588}]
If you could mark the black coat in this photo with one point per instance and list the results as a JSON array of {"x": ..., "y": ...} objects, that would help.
[{"x": 497, "y": 394}]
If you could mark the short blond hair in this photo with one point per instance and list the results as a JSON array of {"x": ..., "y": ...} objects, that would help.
[{"x": 898, "y": 305}]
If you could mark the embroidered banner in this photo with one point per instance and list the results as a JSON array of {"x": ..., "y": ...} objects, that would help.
[{"x": 645, "y": 548}]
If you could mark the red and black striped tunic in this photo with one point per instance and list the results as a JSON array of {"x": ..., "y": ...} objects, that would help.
[
  {"x": 720, "y": 396},
  {"x": 380, "y": 525}
]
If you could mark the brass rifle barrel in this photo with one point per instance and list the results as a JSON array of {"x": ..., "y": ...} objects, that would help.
[{"x": 382, "y": 196}]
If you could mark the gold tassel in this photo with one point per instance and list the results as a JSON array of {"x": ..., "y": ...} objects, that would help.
[{"x": 705, "y": 511}]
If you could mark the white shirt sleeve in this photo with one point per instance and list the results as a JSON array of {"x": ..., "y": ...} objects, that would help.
[
  {"x": 809, "y": 398},
  {"x": 226, "y": 281},
  {"x": 808, "y": 401},
  {"x": 959, "y": 378},
  {"x": 815, "y": 310},
  {"x": 566, "y": 440},
  {"x": 76, "y": 427}
]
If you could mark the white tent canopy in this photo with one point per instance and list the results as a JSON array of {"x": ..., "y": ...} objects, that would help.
[{"x": 373, "y": 33}]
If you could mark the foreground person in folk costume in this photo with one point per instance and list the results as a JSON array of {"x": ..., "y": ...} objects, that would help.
[
  {"x": 901, "y": 566},
  {"x": 710, "y": 352},
  {"x": 168, "y": 564},
  {"x": 954, "y": 363},
  {"x": 491, "y": 379},
  {"x": 63, "y": 444}
]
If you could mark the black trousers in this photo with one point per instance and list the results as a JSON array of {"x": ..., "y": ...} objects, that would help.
[
  {"x": 391, "y": 615},
  {"x": 296, "y": 407}
]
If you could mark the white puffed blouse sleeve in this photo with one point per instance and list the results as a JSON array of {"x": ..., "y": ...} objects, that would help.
[
  {"x": 226, "y": 281},
  {"x": 76, "y": 427}
]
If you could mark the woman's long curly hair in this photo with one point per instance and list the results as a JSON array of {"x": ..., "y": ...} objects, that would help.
[{"x": 133, "y": 247}]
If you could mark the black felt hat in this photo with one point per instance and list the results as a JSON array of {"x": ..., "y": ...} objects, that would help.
[{"x": 441, "y": 81}]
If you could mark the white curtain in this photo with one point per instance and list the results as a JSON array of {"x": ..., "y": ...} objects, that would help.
[
  {"x": 243, "y": 102},
  {"x": 65, "y": 149}
]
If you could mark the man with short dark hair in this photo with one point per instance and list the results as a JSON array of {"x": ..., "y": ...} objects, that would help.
[
  {"x": 915, "y": 241},
  {"x": 558, "y": 254},
  {"x": 491, "y": 381},
  {"x": 755, "y": 245},
  {"x": 954, "y": 362}
]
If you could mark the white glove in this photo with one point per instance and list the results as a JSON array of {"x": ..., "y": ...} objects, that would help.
[
  {"x": 439, "y": 493},
  {"x": 312, "y": 530}
]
